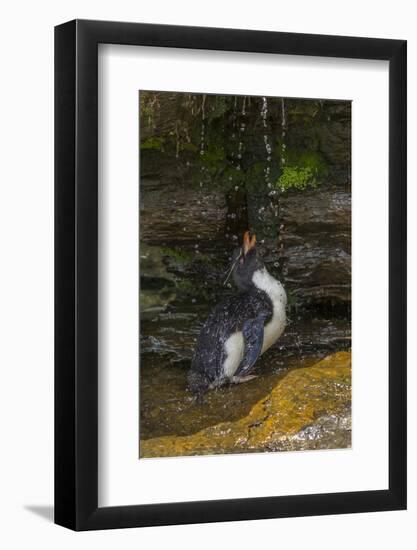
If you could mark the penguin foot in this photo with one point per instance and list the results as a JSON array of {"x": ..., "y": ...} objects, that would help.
[
  {"x": 197, "y": 399},
  {"x": 241, "y": 379}
]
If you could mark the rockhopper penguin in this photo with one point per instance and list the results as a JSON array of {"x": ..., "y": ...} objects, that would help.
[{"x": 241, "y": 328}]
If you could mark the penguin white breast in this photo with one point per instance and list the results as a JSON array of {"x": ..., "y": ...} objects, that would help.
[
  {"x": 273, "y": 330},
  {"x": 234, "y": 347}
]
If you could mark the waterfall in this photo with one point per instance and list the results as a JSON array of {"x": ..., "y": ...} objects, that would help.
[
  {"x": 202, "y": 136},
  {"x": 234, "y": 126},
  {"x": 268, "y": 213},
  {"x": 237, "y": 216},
  {"x": 283, "y": 131},
  {"x": 268, "y": 148},
  {"x": 283, "y": 148},
  {"x": 242, "y": 127},
  {"x": 203, "y": 124}
]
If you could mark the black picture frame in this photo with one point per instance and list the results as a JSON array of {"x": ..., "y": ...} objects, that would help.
[{"x": 76, "y": 271}]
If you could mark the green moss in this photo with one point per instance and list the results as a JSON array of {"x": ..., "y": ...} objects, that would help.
[
  {"x": 212, "y": 155},
  {"x": 188, "y": 147},
  {"x": 177, "y": 254},
  {"x": 301, "y": 170},
  {"x": 152, "y": 143},
  {"x": 314, "y": 161},
  {"x": 182, "y": 257},
  {"x": 296, "y": 178}
]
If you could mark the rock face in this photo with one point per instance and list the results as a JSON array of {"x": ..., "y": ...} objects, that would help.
[
  {"x": 156, "y": 284},
  {"x": 316, "y": 240},
  {"x": 310, "y": 408},
  {"x": 203, "y": 182}
]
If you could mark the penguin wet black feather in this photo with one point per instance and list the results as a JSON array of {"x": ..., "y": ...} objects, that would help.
[{"x": 242, "y": 327}]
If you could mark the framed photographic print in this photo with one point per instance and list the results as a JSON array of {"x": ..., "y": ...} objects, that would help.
[{"x": 230, "y": 236}]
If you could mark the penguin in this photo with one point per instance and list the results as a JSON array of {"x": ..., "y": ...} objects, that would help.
[{"x": 242, "y": 327}]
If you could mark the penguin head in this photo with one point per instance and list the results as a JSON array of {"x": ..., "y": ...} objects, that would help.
[{"x": 245, "y": 262}]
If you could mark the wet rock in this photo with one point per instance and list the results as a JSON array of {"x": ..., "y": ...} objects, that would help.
[
  {"x": 200, "y": 204},
  {"x": 309, "y": 408},
  {"x": 311, "y": 255},
  {"x": 157, "y": 285},
  {"x": 316, "y": 245}
]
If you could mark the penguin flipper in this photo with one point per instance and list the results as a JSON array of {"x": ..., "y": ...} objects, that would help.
[{"x": 253, "y": 336}]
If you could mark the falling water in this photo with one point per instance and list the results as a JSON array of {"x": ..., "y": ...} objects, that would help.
[
  {"x": 264, "y": 115},
  {"x": 237, "y": 204},
  {"x": 203, "y": 124},
  {"x": 283, "y": 131},
  {"x": 242, "y": 127},
  {"x": 268, "y": 149},
  {"x": 283, "y": 148},
  {"x": 177, "y": 141},
  {"x": 202, "y": 136},
  {"x": 269, "y": 212},
  {"x": 234, "y": 126}
]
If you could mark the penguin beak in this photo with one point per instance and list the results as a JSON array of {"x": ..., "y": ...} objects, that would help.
[
  {"x": 231, "y": 269},
  {"x": 248, "y": 242}
]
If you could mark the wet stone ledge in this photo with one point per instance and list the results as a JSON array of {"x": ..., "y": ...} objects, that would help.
[{"x": 309, "y": 408}]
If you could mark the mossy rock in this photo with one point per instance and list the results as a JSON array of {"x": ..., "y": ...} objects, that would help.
[{"x": 309, "y": 408}]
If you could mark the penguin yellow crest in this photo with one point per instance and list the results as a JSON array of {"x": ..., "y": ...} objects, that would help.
[{"x": 248, "y": 242}]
